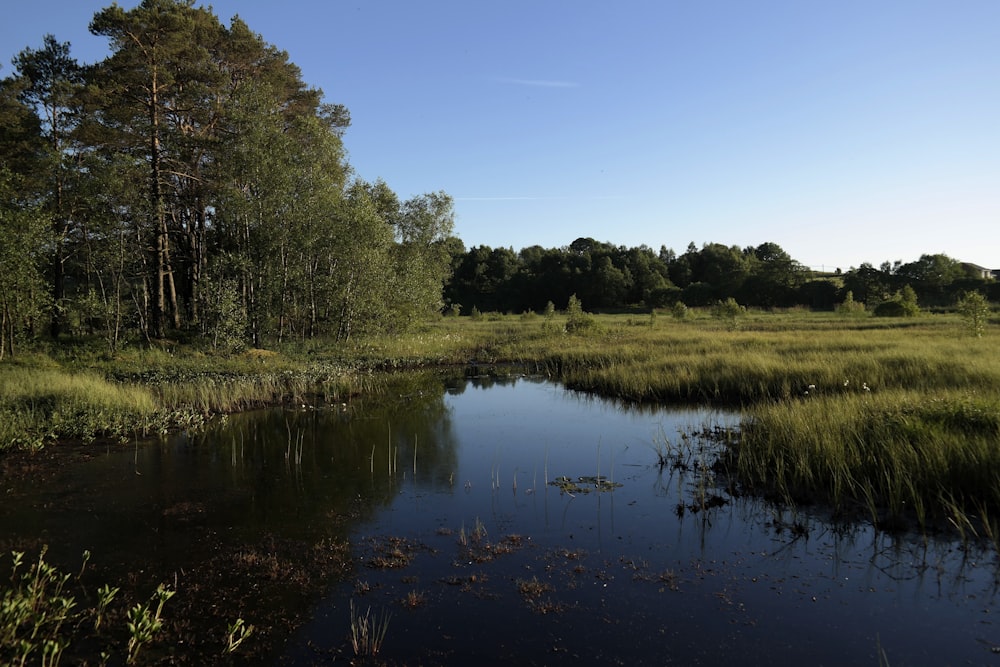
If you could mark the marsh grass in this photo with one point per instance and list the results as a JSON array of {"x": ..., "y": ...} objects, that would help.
[
  {"x": 37, "y": 405},
  {"x": 897, "y": 455}
]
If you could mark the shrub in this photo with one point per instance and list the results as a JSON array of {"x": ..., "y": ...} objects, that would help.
[
  {"x": 904, "y": 304},
  {"x": 679, "y": 311},
  {"x": 730, "y": 311},
  {"x": 576, "y": 319},
  {"x": 975, "y": 310},
  {"x": 892, "y": 308},
  {"x": 849, "y": 306}
]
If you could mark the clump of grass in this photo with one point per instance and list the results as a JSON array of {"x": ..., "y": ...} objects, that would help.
[
  {"x": 368, "y": 631},
  {"x": 414, "y": 600}
]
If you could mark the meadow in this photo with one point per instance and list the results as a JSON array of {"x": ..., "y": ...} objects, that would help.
[{"x": 896, "y": 420}]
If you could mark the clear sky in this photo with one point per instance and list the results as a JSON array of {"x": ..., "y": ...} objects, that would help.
[{"x": 845, "y": 131}]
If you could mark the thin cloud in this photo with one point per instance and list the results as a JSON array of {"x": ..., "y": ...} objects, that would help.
[
  {"x": 540, "y": 83},
  {"x": 503, "y": 198},
  {"x": 529, "y": 198}
]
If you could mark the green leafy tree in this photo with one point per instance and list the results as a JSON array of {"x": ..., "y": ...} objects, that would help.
[
  {"x": 773, "y": 277},
  {"x": 52, "y": 81},
  {"x": 421, "y": 258},
  {"x": 363, "y": 297},
  {"x": 160, "y": 66},
  {"x": 22, "y": 287},
  {"x": 975, "y": 312}
]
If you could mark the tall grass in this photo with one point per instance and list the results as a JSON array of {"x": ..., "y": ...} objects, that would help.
[
  {"x": 896, "y": 455},
  {"x": 42, "y": 404}
]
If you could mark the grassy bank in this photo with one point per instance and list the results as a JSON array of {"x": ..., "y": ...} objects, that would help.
[{"x": 896, "y": 417}]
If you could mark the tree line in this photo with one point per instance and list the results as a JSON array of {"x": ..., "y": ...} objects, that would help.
[
  {"x": 192, "y": 184},
  {"x": 608, "y": 277}
]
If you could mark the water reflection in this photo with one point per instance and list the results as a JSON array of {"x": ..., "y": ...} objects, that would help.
[{"x": 441, "y": 494}]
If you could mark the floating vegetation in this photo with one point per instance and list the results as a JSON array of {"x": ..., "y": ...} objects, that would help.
[
  {"x": 533, "y": 588},
  {"x": 414, "y": 600},
  {"x": 584, "y": 484},
  {"x": 477, "y": 549},
  {"x": 393, "y": 553}
]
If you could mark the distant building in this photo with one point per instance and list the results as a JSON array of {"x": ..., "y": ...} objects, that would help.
[{"x": 982, "y": 271}]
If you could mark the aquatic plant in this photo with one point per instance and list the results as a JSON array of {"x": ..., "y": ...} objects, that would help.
[
  {"x": 414, "y": 599},
  {"x": 237, "y": 633},
  {"x": 145, "y": 621},
  {"x": 368, "y": 631},
  {"x": 532, "y": 588},
  {"x": 39, "y": 616}
]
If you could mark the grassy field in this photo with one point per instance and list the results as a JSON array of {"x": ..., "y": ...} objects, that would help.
[{"x": 898, "y": 418}]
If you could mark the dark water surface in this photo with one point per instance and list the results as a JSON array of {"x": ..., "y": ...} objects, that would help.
[{"x": 441, "y": 495}]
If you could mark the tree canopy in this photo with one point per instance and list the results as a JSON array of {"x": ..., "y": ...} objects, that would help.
[
  {"x": 608, "y": 277},
  {"x": 192, "y": 182}
]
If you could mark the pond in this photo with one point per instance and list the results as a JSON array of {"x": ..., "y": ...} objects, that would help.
[{"x": 499, "y": 520}]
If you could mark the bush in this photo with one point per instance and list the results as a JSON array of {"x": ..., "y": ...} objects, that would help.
[
  {"x": 576, "y": 319},
  {"x": 904, "y": 304},
  {"x": 892, "y": 308},
  {"x": 679, "y": 311},
  {"x": 849, "y": 306},
  {"x": 975, "y": 310},
  {"x": 729, "y": 311}
]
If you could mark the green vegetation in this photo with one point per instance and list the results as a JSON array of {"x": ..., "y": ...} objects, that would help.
[
  {"x": 609, "y": 278},
  {"x": 975, "y": 312},
  {"x": 191, "y": 186},
  {"x": 41, "y": 618},
  {"x": 894, "y": 418}
]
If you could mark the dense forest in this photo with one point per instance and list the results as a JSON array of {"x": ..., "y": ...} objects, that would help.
[
  {"x": 608, "y": 277},
  {"x": 192, "y": 186}
]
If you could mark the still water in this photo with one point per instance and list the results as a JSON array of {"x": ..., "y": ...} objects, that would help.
[{"x": 438, "y": 508}]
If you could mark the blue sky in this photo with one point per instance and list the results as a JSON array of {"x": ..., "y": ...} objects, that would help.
[{"x": 844, "y": 131}]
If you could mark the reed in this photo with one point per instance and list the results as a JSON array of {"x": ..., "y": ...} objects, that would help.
[{"x": 368, "y": 631}]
